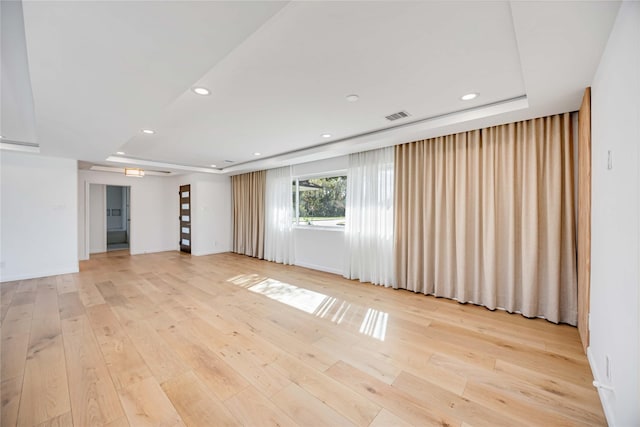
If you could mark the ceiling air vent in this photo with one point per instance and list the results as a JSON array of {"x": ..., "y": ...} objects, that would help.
[{"x": 398, "y": 115}]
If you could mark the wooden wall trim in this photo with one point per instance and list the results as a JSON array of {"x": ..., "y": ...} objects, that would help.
[{"x": 584, "y": 216}]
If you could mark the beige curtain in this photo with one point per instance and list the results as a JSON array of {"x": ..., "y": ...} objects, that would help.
[
  {"x": 487, "y": 217},
  {"x": 248, "y": 213}
]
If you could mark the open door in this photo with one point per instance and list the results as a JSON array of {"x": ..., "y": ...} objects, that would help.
[
  {"x": 584, "y": 216},
  {"x": 185, "y": 218}
]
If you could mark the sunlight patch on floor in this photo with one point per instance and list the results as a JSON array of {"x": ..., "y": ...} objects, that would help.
[
  {"x": 246, "y": 280},
  {"x": 374, "y": 322},
  {"x": 303, "y": 299}
]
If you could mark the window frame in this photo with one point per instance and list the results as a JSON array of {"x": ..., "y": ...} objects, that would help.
[{"x": 296, "y": 214}]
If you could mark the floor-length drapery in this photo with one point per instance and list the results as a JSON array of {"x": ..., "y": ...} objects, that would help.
[
  {"x": 487, "y": 216},
  {"x": 369, "y": 217},
  {"x": 278, "y": 238},
  {"x": 248, "y": 213}
]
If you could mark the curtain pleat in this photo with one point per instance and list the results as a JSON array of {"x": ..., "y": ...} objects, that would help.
[
  {"x": 278, "y": 239},
  {"x": 248, "y": 213},
  {"x": 487, "y": 216}
]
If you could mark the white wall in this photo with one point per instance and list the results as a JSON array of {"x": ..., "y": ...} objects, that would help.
[
  {"x": 154, "y": 211},
  {"x": 38, "y": 216},
  {"x": 320, "y": 249},
  {"x": 211, "y": 223},
  {"x": 97, "y": 226},
  {"x": 336, "y": 164},
  {"x": 317, "y": 248},
  {"x": 615, "y": 222}
]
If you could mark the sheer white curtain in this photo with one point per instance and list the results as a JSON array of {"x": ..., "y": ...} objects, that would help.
[
  {"x": 369, "y": 217},
  {"x": 278, "y": 238}
]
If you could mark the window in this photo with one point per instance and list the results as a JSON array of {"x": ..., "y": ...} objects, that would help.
[{"x": 320, "y": 201}]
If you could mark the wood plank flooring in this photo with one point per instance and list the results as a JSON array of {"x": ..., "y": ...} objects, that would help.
[{"x": 169, "y": 340}]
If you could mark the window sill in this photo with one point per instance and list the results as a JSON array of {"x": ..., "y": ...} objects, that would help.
[{"x": 317, "y": 227}]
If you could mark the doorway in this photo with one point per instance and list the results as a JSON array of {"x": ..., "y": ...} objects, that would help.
[
  {"x": 118, "y": 218},
  {"x": 109, "y": 218}
]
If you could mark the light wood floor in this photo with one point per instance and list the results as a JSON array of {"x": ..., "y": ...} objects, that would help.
[{"x": 169, "y": 339}]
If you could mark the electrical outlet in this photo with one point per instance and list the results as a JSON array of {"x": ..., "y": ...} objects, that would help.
[{"x": 607, "y": 369}]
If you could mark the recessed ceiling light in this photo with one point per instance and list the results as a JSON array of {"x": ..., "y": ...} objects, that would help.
[
  {"x": 326, "y": 135},
  {"x": 148, "y": 131},
  {"x": 120, "y": 152},
  {"x": 469, "y": 96},
  {"x": 352, "y": 98},
  {"x": 1, "y": 137},
  {"x": 257, "y": 154},
  {"x": 201, "y": 91},
  {"x": 213, "y": 166}
]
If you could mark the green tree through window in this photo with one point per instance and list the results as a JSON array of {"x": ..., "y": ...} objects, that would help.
[{"x": 321, "y": 200}]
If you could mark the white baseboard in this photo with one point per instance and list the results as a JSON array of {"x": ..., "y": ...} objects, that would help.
[
  {"x": 604, "y": 394},
  {"x": 34, "y": 275},
  {"x": 152, "y": 251},
  {"x": 319, "y": 268},
  {"x": 219, "y": 251}
]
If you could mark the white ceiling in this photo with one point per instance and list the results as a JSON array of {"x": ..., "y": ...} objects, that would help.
[{"x": 279, "y": 73}]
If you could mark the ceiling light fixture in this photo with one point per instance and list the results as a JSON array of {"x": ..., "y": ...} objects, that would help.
[
  {"x": 257, "y": 154},
  {"x": 201, "y": 91},
  {"x": 120, "y": 152},
  {"x": 213, "y": 166},
  {"x": 134, "y": 172},
  {"x": 326, "y": 135},
  {"x": 148, "y": 131},
  {"x": 469, "y": 96},
  {"x": 352, "y": 98}
]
